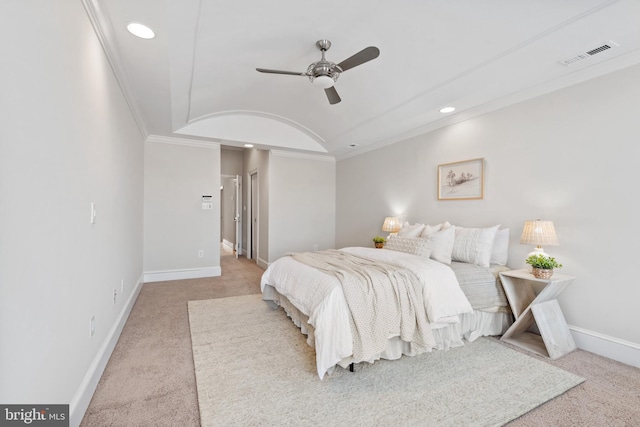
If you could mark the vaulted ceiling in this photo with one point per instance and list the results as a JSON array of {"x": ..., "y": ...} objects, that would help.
[{"x": 197, "y": 78}]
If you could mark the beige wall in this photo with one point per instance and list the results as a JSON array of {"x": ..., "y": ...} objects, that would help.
[
  {"x": 569, "y": 156},
  {"x": 176, "y": 227},
  {"x": 67, "y": 139},
  {"x": 302, "y": 203}
]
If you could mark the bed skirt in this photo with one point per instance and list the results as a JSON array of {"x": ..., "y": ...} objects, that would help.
[{"x": 447, "y": 335}]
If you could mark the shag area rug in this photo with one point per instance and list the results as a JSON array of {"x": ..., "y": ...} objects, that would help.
[{"x": 254, "y": 367}]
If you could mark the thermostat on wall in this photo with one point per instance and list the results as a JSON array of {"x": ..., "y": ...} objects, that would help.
[{"x": 207, "y": 202}]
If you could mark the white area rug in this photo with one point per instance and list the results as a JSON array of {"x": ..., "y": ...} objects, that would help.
[{"x": 254, "y": 367}]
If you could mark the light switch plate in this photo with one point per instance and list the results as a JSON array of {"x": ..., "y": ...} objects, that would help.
[{"x": 93, "y": 213}]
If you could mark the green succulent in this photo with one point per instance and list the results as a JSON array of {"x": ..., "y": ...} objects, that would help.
[
  {"x": 379, "y": 239},
  {"x": 543, "y": 261}
]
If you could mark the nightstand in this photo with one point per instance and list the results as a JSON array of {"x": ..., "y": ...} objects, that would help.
[{"x": 534, "y": 306}]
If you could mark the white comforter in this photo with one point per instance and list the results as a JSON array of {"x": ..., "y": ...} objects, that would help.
[{"x": 319, "y": 296}]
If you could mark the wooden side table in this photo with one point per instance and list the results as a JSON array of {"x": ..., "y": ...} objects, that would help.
[{"x": 533, "y": 301}]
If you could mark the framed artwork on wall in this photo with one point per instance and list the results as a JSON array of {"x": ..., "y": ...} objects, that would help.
[{"x": 461, "y": 180}]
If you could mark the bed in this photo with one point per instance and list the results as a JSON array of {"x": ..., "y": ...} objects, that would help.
[{"x": 459, "y": 294}]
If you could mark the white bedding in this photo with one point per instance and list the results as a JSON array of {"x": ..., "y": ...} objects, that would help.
[{"x": 319, "y": 296}]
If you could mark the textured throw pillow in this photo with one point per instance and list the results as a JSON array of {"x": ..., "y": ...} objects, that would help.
[
  {"x": 441, "y": 244},
  {"x": 409, "y": 245},
  {"x": 474, "y": 245},
  {"x": 409, "y": 230},
  {"x": 500, "y": 252}
]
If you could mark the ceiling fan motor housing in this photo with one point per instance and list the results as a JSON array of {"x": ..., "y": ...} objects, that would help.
[{"x": 320, "y": 72}]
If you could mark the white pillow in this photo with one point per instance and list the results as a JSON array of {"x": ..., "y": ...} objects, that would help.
[
  {"x": 410, "y": 245},
  {"x": 441, "y": 244},
  {"x": 474, "y": 245},
  {"x": 500, "y": 252},
  {"x": 430, "y": 229},
  {"x": 408, "y": 230}
]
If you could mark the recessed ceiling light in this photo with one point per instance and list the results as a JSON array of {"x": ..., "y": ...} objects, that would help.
[
  {"x": 248, "y": 145},
  {"x": 447, "y": 109},
  {"x": 140, "y": 30}
]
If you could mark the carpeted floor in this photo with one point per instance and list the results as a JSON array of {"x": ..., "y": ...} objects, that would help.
[
  {"x": 150, "y": 380},
  {"x": 263, "y": 373}
]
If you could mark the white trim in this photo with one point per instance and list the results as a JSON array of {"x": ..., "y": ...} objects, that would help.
[
  {"x": 298, "y": 155},
  {"x": 181, "y": 141},
  {"x": 224, "y": 146},
  {"x": 262, "y": 263},
  {"x": 613, "y": 348},
  {"x": 228, "y": 244},
  {"x": 262, "y": 114},
  {"x": 81, "y": 399},
  {"x": 187, "y": 273}
]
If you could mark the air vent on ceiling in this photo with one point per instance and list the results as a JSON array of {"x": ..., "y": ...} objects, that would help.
[{"x": 588, "y": 54}]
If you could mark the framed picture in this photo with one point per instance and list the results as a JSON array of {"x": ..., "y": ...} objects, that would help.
[{"x": 461, "y": 180}]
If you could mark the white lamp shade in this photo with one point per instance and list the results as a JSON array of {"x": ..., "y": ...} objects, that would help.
[
  {"x": 391, "y": 224},
  {"x": 324, "y": 82}
]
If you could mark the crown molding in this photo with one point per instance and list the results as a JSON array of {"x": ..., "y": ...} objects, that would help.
[
  {"x": 104, "y": 31},
  {"x": 307, "y": 156},
  {"x": 181, "y": 141}
]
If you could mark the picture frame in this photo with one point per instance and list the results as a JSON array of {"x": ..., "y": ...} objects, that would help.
[{"x": 461, "y": 180}]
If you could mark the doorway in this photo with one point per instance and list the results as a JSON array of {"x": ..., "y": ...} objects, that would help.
[
  {"x": 231, "y": 215},
  {"x": 227, "y": 214}
]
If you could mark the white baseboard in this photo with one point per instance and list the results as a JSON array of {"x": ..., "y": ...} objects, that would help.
[
  {"x": 262, "y": 263},
  {"x": 188, "y": 273},
  {"x": 613, "y": 348},
  {"x": 228, "y": 244},
  {"x": 80, "y": 401}
]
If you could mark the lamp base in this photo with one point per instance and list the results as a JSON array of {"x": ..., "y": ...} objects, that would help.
[{"x": 538, "y": 251}]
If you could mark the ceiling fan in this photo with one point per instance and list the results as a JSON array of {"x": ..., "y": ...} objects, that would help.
[{"x": 324, "y": 73}]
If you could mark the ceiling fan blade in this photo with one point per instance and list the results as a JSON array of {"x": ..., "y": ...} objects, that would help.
[
  {"x": 332, "y": 94},
  {"x": 365, "y": 55},
  {"x": 292, "y": 73}
]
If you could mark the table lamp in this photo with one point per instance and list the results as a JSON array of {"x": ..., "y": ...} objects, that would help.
[
  {"x": 391, "y": 224},
  {"x": 538, "y": 232}
]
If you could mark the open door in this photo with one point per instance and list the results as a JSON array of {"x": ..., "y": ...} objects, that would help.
[{"x": 238, "y": 215}]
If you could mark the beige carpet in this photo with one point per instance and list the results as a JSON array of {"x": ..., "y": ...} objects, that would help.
[
  {"x": 253, "y": 367},
  {"x": 150, "y": 380}
]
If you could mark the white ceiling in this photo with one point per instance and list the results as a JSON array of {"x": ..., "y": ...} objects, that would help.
[{"x": 197, "y": 80}]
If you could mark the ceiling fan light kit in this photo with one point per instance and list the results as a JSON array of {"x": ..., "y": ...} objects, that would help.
[
  {"x": 325, "y": 73},
  {"x": 324, "y": 82}
]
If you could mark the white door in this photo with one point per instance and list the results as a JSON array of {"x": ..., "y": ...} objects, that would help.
[{"x": 238, "y": 214}]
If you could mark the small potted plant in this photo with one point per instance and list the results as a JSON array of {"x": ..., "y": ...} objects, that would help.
[
  {"x": 543, "y": 265},
  {"x": 379, "y": 241}
]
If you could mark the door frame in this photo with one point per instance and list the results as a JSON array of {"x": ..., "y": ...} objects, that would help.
[{"x": 251, "y": 191}]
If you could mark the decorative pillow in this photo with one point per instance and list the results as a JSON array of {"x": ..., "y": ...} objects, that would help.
[
  {"x": 500, "y": 252},
  {"x": 430, "y": 229},
  {"x": 474, "y": 245},
  {"x": 409, "y": 245},
  {"x": 441, "y": 244},
  {"x": 408, "y": 230}
]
